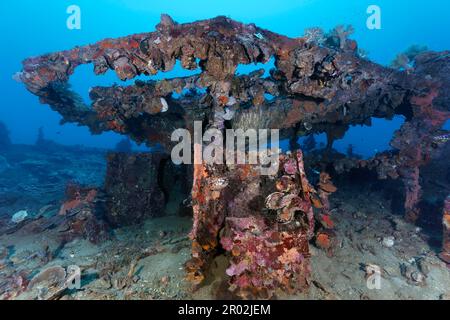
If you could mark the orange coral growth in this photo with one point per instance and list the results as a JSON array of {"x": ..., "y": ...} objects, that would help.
[
  {"x": 134, "y": 44},
  {"x": 106, "y": 45},
  {"x": 206, "y": 247},
  {"x": 327, "y": 222},
  {"x": 446, "y": 220},
  {"x": 246, "y": 171},
  {"x": 323, "y": 241},
  {"x": 115, "y": 125},
  {"x": 285, "y": 184},
  {"x": 192, "y": 268},
  {"x": 223, "y": 100},
  {"x": 200, "y": 173},
  {"x": 235, "y": 251},
  {"x": 68, "y": 206},
  {"x": 325, "y": 183},
  {"x": 325, "y": 187},
  {"x": 306, "y": 187},
  {"x": 328, "y": 187},
  {"x": 76, "y": 198},
  {"x": 290, "y": 256},
  {"x": 285, "y": 215},
  {"x": 316, "y": 203}
]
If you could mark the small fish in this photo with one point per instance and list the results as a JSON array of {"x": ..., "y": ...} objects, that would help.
[{"x": 442, "y": 138}]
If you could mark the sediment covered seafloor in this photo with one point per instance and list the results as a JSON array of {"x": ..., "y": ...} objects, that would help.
[
  {"x": 147, "y": 261},
  {"x": 322, "y": 224}
]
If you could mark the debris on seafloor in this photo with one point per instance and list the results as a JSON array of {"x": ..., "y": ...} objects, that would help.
[
  {"x": 371, "y": 270},
  {"x": 80, "y": 215},
  {"x": 388, "y": 241},
  {"x": 412, "y": 275},
  {"x": 19, "y": 216},
  {"x": 48, "y": 284},
  {"x": 262, "y": 224}
]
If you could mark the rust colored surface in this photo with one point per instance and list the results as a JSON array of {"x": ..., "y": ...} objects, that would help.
[
  {"x": 316, "y": 88},
  {"x": 132, "y": 187},
  {"x": 81, "y": 216},
  {"x": 317, "y": 85},
  {"x": 445, "y": 254},
  {"x": 264, "y": 223}
]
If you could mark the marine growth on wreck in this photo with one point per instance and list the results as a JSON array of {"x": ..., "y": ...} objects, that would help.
[{"x": 260, "y": 234}]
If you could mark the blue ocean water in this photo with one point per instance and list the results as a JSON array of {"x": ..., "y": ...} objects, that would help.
[{"x": 36, "y": 27}]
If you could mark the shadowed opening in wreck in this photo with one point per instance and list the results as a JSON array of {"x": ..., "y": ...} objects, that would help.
[
  {"x": 174, "y": 182},
  {"x": 405, "y": 109},
  {"x": 140, "y": 186},
  {"x": 364, "y": 183},
  {"x": 359, "y": 184},
  {"x": 435, "y": 179}
]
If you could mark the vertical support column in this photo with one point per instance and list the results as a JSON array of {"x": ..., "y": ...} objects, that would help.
[{"x": 445, "y": 254}]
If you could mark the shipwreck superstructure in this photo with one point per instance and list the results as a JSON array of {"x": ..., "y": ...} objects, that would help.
[{"x": 320, "y": 84}]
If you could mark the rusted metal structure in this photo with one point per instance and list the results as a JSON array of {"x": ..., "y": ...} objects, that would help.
[{"x": 319, "y": 84}]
